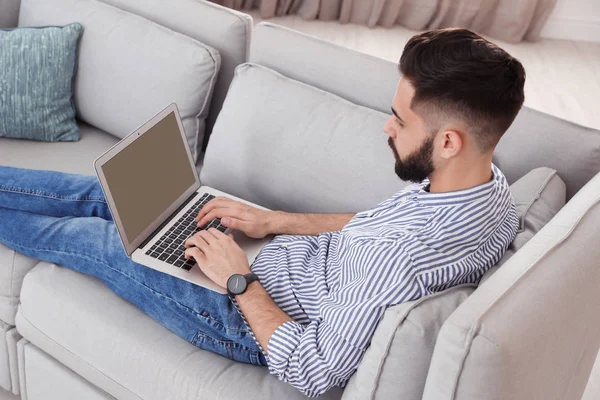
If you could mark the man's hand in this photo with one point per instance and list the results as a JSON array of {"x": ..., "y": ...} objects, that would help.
[
  {"x": 235, "y": 215},
  {"x": 217, "y": 255}
]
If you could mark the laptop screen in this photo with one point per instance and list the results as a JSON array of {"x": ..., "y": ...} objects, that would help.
[{"x": 148, "y": 176}]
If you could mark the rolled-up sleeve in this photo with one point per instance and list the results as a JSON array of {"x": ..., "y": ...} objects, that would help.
[
  {"x": 324, "y": 353},
  {"x": 311, "y": 358}
]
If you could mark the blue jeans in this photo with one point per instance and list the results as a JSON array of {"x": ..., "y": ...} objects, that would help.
[{"x": 64, "y": 219}]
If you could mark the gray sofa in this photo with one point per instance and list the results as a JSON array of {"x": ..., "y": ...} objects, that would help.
[{"x": 301, "y": 128}]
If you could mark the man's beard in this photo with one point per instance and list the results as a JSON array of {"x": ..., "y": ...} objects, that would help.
[{"x": 416, "y": 166}]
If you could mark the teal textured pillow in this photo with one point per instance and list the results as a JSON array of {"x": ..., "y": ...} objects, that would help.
[{"x": 37, "y": 71}]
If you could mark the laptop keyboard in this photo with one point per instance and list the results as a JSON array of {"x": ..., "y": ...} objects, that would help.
[{"x": 170, "y": 247}]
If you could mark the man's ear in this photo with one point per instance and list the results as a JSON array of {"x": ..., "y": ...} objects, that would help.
[{"x": 452, "y": 143}]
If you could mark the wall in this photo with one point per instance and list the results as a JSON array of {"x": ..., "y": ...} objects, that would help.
[{"x": 574, "y": 20}]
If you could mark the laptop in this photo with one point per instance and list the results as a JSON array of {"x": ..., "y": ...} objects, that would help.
[{"x": 154, "y": 194}]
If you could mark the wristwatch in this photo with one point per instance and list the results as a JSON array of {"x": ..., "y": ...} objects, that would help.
[{"x": 238, "y": 283}]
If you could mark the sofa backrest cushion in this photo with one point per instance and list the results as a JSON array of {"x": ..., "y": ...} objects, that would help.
[
  {"x": 9, "y": 13},
  {"x": 358, "y": 77},
  {"x": 286, "y": 145},
  {"x": 539, "y": 196},
  {"x": 397, "y": 362},
  {"x": 535, "y": 139},
  {"x": 130, "y": 68},
  {"x": 226, "y": 30},
  {"x": 532, "y": 330}
]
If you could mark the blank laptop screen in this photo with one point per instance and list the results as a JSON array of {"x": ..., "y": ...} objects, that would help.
[{"x": 148, "y": 175}]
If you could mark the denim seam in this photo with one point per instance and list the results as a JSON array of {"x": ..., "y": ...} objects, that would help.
[
  {"x": 48, "y": 195},
  {"x": 108, "y": 266},
  {"x": 225, "y": 343}
]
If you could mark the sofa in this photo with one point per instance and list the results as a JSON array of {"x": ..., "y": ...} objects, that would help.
[{"x": 294, "y": 123}]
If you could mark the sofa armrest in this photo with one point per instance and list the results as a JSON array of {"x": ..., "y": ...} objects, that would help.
[
  {"x": 533, "y": 329},
  {"x": 9, "y": 13}
]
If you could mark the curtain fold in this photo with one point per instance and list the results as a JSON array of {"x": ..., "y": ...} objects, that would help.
[{"x": 508, "y": 20}]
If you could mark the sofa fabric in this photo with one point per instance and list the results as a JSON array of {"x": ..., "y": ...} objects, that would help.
[
  {"x": 9, "y": 15},
  {"x": 113, "y": 345},
  {"x": 397, "y": 362},
  {"x": 131, "y": 68},
  {"x": 12, "y": 338},
  {"x": 539, "y": 195},
  {"x": 37, "y": 71},
  {"x": 535, "y": 139},
  {"x": 223, "y": 29},
  {"x": 75, "y": 157},
  {"x": 5, "y": 381},
  {"x": 495, "y": 336},
  {"x": 358, "y": 77},
  {"x": 285, "y": 123},
  {"x": 13, "y": 267},
  {"x": 48, "y": 379}
]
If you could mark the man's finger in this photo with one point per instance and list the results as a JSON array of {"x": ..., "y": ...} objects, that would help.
[
  {"x": 235, "y": 223},
  {"x": 219, "y": 213},
  {"x": 196, "y": 253},
  {"x": 196, "y": 240},
  {"x": 216, "y": 202}
]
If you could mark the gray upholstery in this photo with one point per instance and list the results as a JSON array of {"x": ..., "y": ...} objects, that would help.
[
  {"x": 397, "y": 362},
  {"x": 48, "y": 379},
  {"x": 537, "y": 140},
  {"x": 5, "y": 374},
  {"x": 538, "y": 196},
  {"x": 130, "y": 68},
  {"x": 75, "y": 157},
  {"x": 115, "y": 346},
  {"x": 532, "y": 331},
  {"x": 534, "y": 140},
  {"x": 223, "y": 29},
  {"x": 9, "y": 13},
  {"x": 592, "y": 390},
  {"x": 302, "y": 149},
  {"x": 12, "y": 337},
  {"x": 358, "y": 77},
  {"x": 13, "y": 267},
  {"x": 9, "y": 378}
]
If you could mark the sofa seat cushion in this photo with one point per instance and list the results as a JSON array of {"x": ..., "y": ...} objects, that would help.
[
  {"x": 76, "y": 319},
  {"x": 74, "y": 157}
]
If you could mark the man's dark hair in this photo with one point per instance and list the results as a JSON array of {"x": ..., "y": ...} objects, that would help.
[{"x": 457, "y": 73}]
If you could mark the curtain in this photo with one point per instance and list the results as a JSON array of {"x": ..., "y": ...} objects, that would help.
[{"x": 507, "y": 20}]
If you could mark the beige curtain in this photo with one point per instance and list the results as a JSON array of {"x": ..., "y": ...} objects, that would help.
[{"x": 508, "y": 20}]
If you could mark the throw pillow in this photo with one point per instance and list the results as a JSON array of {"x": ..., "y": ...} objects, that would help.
[
  {"x": 539, "y": 195},
  {"x": 37, "y": 70}
]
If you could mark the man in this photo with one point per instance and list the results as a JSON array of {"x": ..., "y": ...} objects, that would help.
[{"x": 325, "y": 282}]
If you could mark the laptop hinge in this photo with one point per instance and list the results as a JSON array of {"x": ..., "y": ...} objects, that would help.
[{"x": 167, "y": 220}]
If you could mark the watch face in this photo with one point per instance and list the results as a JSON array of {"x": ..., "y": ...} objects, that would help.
[{"x": 236, "y": 284}]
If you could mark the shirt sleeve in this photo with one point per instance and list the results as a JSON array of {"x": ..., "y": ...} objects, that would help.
[{"x": 325, "y": 353}]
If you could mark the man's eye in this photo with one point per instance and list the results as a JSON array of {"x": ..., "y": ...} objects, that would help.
[{"x": 398, "y": 123}]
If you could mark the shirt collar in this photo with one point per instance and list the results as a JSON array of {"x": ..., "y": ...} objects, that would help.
[{"x": 459, "y": 196}]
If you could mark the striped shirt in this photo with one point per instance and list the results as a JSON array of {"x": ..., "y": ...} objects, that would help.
[{"x": 337, "y": 285}]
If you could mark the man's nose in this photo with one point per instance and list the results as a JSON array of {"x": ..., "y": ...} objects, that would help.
[{"x": 388, "y": 129}]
